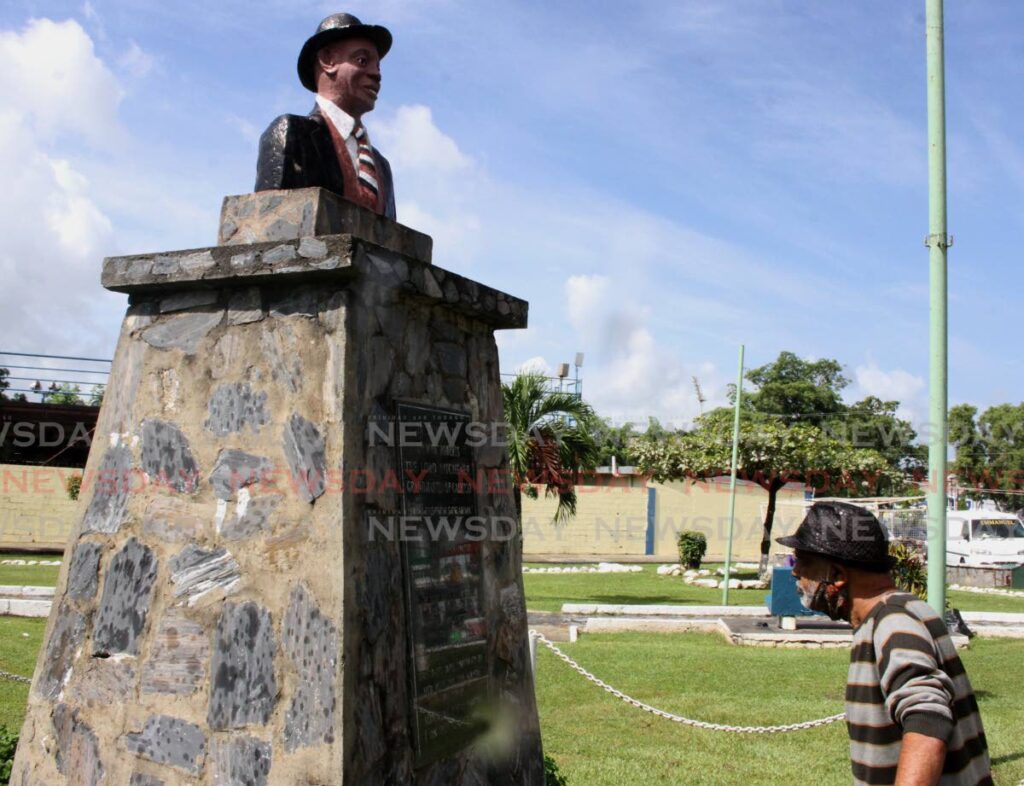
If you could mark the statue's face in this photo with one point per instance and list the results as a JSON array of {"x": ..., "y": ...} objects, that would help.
[{"x": 351, "y": 75}]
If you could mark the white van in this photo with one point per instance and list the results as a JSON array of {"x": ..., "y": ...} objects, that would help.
[{"x": 984, "y": 538}]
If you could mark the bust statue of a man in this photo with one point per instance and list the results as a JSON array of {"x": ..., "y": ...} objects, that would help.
[{"x": 330, "y": 147}]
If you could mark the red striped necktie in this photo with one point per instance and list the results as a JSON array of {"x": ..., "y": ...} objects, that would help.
[{"x": 367, "y": 173}]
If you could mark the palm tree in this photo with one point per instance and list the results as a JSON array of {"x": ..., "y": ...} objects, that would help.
[{"x": 550, "y": 440}]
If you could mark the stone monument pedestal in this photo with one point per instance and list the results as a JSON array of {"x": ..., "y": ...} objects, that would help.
[{"x": 297, "y": 559}]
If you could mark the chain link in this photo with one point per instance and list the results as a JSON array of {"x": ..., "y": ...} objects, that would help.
[
  {"x": 6, "y": 675},
  {"x": 678, "y": 718}
]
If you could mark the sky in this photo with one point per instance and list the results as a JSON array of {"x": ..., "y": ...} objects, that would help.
[{"x": 661, "y": 181}]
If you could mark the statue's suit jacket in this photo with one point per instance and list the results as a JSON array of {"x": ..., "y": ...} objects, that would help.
[{"x": 298, "y": 152}]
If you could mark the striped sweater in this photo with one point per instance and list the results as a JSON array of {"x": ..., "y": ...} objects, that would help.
[{"x": 905, "y": 676}]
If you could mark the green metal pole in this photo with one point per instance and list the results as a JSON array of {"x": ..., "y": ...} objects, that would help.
[
  {"x": 732, "y": 480},
  {"x": 938, "y": 242}
]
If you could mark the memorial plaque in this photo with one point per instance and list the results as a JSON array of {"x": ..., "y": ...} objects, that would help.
[{"x": 443, "y": 575}]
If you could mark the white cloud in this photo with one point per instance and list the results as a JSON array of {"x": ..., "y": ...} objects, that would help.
[
  {"x": 587, "y": 297},
  {"x": 413, "y": 142},
  {"x": 535, "y": 364},
  {"x": 435, "y": 183},
  {"x": 136, "y": 62},
  {"x": 249, "y": 131},
  {"x": 52, "y": 232},
  {"x": 895, "y": 385},
  {"x": 630, "y": 376},
  {"x": 51, "y": 77}
]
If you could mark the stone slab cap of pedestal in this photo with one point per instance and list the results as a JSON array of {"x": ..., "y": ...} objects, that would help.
[
  {"x": 193, "y": 278},
  {"x": 311, "y": 212}
]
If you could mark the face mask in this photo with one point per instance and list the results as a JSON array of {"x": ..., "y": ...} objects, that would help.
[{"x": 835, "y": 605}]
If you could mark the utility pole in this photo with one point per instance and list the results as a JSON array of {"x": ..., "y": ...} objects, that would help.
[
  {"x": 938, "y": 243},
  {"x": 732, "y": 479},
  {"x": 700, "y": 395}
]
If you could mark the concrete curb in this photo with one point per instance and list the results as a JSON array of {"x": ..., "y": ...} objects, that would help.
[
  {"x": 17, "y": 607},
  {"x": 615, "y": 610},
  {"x": 15, "y": 591}
]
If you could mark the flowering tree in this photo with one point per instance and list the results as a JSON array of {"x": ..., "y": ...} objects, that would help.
[{"x": 772, "y": 453}]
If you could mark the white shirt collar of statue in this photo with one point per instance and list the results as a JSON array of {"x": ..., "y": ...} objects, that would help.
[{"x": 342, "y": 121}]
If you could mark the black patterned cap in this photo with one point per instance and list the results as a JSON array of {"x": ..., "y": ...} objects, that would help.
[
  {"x": 334, "y": 28},
  {"x": 845, "y": 533}
]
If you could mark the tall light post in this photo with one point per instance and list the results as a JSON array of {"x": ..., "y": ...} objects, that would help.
[
  {"x": 578, "y": 364},
  {"x": 938, "y": 243}
]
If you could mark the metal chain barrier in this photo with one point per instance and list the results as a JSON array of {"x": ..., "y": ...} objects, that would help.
[
  {"x": 6, "y": 675},
  {"x": 678, "y": 718}
]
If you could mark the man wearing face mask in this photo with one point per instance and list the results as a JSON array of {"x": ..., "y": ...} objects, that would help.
[{"x": 910, "y": 709}]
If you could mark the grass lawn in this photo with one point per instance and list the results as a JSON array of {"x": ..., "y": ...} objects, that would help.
[
  {"x": 29, "y": 575},
  {"x": 547, "y": 592},
  {"x": 597, "y": 739},
  {"x": 20, "y": 640}
]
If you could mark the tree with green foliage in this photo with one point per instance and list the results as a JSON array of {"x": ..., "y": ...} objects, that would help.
[
  {"x": 96, "y": 395},
  {"x": 873, "y": 423},
  {"x": 772, "y": 453},
  {"x": 612, "y": 440},
  {"x": 810, "y": 391},
  {"x": 4, "y": 384},
  {"x": 989, "y": 451},
  {"x": 801, "y": 391},
  {"x": 963, "y": 435},
  {"x": 67, "y": 394},
  {"x": 550, "y": 440}
]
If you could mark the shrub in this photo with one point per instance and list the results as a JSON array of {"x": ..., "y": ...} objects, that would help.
[
  {"x": 8, "y": 744},
  {"x": 909, "y": 572},
  {"x": 74, "y": 486},
  {"x": 692, "y": 547},
  {"x": 552, "y": 777}
]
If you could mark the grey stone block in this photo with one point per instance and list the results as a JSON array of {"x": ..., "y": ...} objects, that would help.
[
  {"x": 234, "y": 407},
  {"x": 180, "y": 301},
  {"x": 138, "y": 779},
  {"x": 278, "y": 254},
  {"x": 306, "y": 455},
  {"x": 167, "y": 457},
  {"x": 169, "y": 741},
  {"x": 165, "y": 265},
  {"x": 178, "y": 656},
  {"x": 198, "y": 263},
  {"x": 311, "y": 642},
  {"x": 312, "y": 248},
  {"x": 127, "y": 589},
  {"x": 236, "y": 469},
  {"x": 83, "y": 572},
  {"x": 182, "y": 331},
  {"x": 102, "y": 681},
  {"x": 451, "y": 359},
  {"x": 280, "y": 350},
  {"x": 110, "y": 495},
  {"x": 254, "y": 520},
  {"x": 195, "y": 572},
  {"x": 245, "y": 307},
  {"x": 241, "y": 761},
  {"x": 78, "y": 750},
  {"x": 301, "y": 301},
  {"x": 243, "y": 688},
  {"x": 62, "y": 647},
  {"x": 173, "y": 520}
]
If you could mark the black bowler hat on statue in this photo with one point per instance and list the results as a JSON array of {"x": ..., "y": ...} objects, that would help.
[
  {"x": 334, "y": 28},
  {"x": 848, "y": 534}
]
